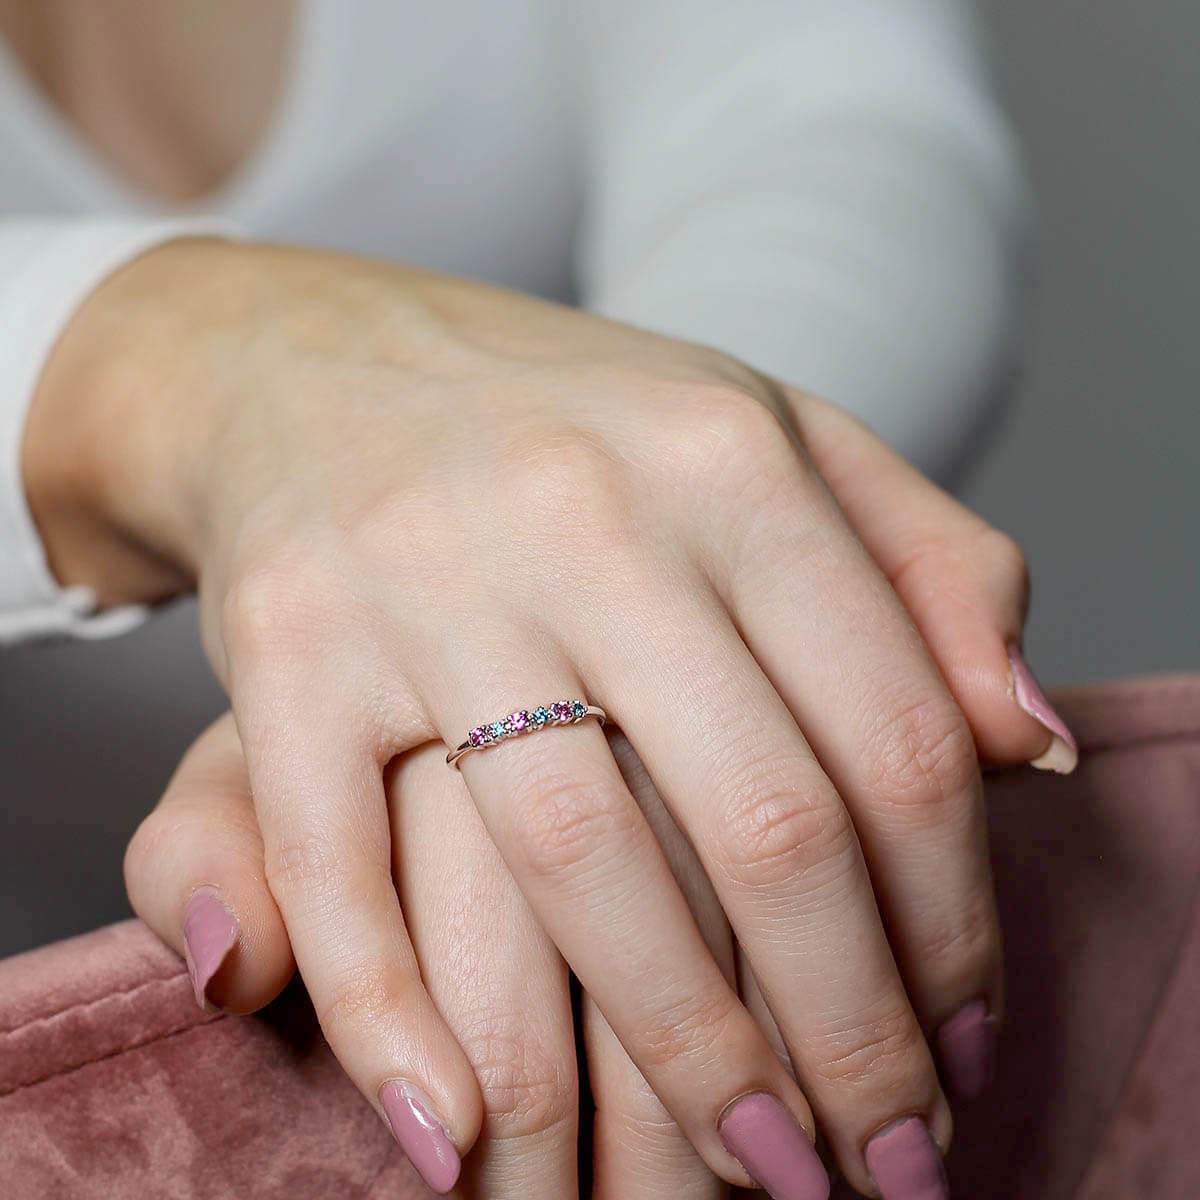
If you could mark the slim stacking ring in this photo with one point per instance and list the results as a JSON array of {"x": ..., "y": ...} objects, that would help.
[{"x": 561, "y": 712}]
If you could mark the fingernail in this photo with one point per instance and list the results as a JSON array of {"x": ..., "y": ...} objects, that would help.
[
  {"x": 210, "y": 931},
  {"x": 905, "y": 1162},
  {"x": 421, "y": 1135},
  {"x": 967, "y": 1050},
  {"x": 1062, "y": 754},
  {"x": 769, "y": 1142}
]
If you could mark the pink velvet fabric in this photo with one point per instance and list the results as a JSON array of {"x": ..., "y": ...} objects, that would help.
[{"x": 113, "y": 1084}]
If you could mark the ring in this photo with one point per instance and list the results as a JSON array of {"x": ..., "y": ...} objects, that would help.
[{"x": 561, "y": 712}]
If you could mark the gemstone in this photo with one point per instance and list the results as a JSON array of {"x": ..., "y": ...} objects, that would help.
[
  {"x": 478, "y": 736},
  {"x": 496, "y": 729},
  {"x": 561, "y": 710},
  {"x": 540, "y": 715},
  {"x": 578, "y": 709},
  {"x": 518, "y": 722}
]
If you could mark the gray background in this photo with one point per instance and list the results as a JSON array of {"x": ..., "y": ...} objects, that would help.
[{"x": 1095, "y": 468}]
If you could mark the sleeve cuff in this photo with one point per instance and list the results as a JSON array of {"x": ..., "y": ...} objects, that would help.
[{"x": 48, "y": 267}]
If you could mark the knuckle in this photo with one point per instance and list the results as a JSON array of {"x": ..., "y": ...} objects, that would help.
[
  {"x": 965, "y": 948},
  {"x": 551, "y": 470},
  {"x": 924, "y": 758},
  {"x": 143, "y": 851},
  {"x": 767, "y": 835},
  {"x": 364, "y": 998},
  {"x": 572, "y": 477},
  {"x": 276, "y": 607},
  {"x": 1005, "y": 555},
  {"x": 300, "y": 863},
  {"x": 565, "y": 825},
  {"x": 731, "y": 423},
  {"x": 881, "y": 1053},
  {"x": 689, "y": 1032},
  {"x": 312, "y": 875},
  {"x": 526, "y": 1092}
]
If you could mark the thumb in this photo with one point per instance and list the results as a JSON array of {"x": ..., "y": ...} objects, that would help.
[{"x": 194, "y": 873}]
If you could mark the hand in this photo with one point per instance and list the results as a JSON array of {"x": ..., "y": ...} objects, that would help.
[
  {"x": 482, "y": 961},
  {"x": 413, "y": 503}
]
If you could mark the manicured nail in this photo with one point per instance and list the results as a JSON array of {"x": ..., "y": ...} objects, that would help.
[
  {"x": 769, "y": 1142},
  {"x": 1062, "y": 754},
  {"x": 967, "y": 1050},
  {"x": 420, "y": 1134},
  {"x": 210, "y": 931},
  {"x": 905, "y": 1162}
]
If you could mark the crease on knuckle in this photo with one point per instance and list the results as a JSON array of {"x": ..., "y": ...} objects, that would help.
[
  {"x": 316, "y": 874},
  {"x": 647, "y": 1131},
  {"x": 690, "y": 1031},
  {"x": 565, "y": 825},
  {"x": 923, "y": 758},
  {"x": 527, "y": 1093},
  {"x": 768, "y": 834},
  {"x": 365, "y": 998},
  {"x": 878, "y": 1053},
  {"x": 965, "y": 948}
]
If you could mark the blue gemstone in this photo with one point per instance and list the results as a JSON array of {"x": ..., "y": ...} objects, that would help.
[
  {"x": 540, "y": 715},
  {"x": 496, "y": 729},
  {"x": 579, "y": 708}
]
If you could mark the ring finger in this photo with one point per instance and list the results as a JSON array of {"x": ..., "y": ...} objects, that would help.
[{"x": 595, "y": 875}]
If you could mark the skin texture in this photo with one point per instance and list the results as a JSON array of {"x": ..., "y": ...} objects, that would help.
[
  {"x": 411, "y": 503},
  {"x": 488, "y": 966}
]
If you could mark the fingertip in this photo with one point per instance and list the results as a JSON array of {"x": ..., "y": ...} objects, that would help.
[
  {"x": 1012, "y": 721},
  {"x": 1061, "y": 752},
  {"x": 210, "y": 933}
]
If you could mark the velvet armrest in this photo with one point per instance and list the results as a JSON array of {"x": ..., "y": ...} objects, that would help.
[{"x": 113, "y": 1084}]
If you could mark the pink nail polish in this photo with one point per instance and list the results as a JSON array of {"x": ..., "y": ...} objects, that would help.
[
  {"x": 769, "y": 1142},
  {"x": 210, "y": 931},
  {"x": 1062, "y": 754},
  {"x": 420, "y": 1134},
  {"x": 966, "y": 1046},
  {"x": 905, "y": 1162}
]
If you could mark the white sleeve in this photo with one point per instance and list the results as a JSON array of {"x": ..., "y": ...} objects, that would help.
[
  {"x": 48, "y": 267},
  {"x": 824, "y": 188}
]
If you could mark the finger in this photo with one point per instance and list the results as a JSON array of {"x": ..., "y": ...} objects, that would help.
[
  {"x": 890, "y": 736},
  {"x": 194, "y": 873},
  {"x": 495, "y": 977},
  {"x": 639, "y": 1152},
  {"x": 781, "y": 851},
  {"x": 316, "y": 772},
  {"x": 964, "y": 582},
  {"x": 578, "y": 846}
]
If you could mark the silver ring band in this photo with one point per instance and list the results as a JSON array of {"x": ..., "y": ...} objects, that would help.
[{"x": 523, "y": 721}]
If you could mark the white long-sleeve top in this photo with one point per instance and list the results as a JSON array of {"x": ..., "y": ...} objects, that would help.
[{"x": 821, "y": 187}]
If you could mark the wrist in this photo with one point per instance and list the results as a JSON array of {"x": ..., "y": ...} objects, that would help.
[{"x": 118, "y": 425}]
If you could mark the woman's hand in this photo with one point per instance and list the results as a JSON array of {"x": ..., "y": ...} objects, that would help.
[
  {"x": 196, "y": 876},
  {"x": 412, "y": 504}
]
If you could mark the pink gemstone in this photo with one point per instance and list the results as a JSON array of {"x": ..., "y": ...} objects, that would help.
[
  {"x": 477, "y": 736},
  {"x": 519, "y": 721},
  {"x": 561, "y": 710}
]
